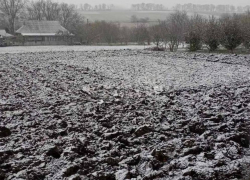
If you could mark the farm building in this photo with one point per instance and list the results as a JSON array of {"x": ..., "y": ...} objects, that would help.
[
  {"x": 5, "y": 38},
  {"x": 44, "y": 33},
  {"x": 4, "y": 34}
]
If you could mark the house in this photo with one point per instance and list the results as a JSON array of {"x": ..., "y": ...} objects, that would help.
[
  {"x": 44, "y": 33},
  {"x": 4, "y": 34},
  {"x": 5, "y": 38}
]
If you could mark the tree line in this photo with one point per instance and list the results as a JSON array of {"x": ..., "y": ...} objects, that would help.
[
  {"x": 97, "y": 7},
  {"x": 210, "y": 8},
  {"x": 229, "y": 31},
  {"x": 147, "y": 7}
]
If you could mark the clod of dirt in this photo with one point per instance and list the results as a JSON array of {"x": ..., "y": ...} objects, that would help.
[
  {"x": 111, "y": 135},
  {"x": 71, "y": 170},
  {"x": 2, "y": 175},
  {"x": 132, "y": 161},
  {"x": 4, "y": 132},
  {"x": 100, "y": 175},
  {"x": 197, "y": 128},
  {"x": 111, "y": 161},
  {"x": 54, "y": 152},
  {"x": 160, "y": 155},
  {"x": 242, "y": 139},
  {"x": 75, "y": 177},
  {"x": 190, "y": 172},
  {"x": 193, "y": 150},
  {"x": 122, "y": 174},
  {"x": 142, "y": 130}
]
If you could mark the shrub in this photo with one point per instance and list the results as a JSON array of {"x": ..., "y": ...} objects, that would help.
[
  {"x": 231, "y": 33},
  {"x": 157, "y": 48},
  {"x": 245, "y": 29},
  {"x": 195, "y": 32},
  {"x": 212, "y": 34}
]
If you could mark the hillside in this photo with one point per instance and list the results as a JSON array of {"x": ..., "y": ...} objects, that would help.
[{"x": 124, "y": 16}]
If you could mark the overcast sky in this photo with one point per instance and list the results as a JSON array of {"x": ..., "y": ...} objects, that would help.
[{"x": 167, "y": 3}]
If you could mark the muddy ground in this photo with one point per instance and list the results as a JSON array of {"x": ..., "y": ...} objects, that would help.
[{"x": 64, "y": 117}]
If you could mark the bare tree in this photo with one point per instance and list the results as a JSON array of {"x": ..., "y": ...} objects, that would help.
[
  {"x": 51, "y": 10},
  {"x": 175, "y": 29},
  {"x": 75, "y": 24},
  {"x": 67, "y": 13},
  {"x": 231, "y": 32},
  {"x": 35, "y": 10},
  {"x": 141, "y": 33},
  {"x": 3, "y": 23},
  {"x": 12, "y": 9},
  {"x": 48, "y": 10},
  {"x": 245, "y": 29},
  {"x": 212, "y": 33},
  {"x": 156, "y": 32},
  {"x": 125, "y": 33},
  {"x": 195, "y": 32},
  {"x": 110, "y": 32},
  {"x": 147, "y": 7},
  {"x": 86, "y": 7},
  {"x": 134, "y": 19}
]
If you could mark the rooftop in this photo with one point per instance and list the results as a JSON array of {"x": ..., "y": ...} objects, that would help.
[
  {"x": 41, "y": 28},
  {"x": 4, "y": 34}
]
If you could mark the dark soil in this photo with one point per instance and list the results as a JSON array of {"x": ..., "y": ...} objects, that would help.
[{"x": 60, "y": 121}]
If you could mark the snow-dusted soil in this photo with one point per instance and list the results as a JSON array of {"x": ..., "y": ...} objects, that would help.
[
  {"x": 25, "y": 49},
  {"x": 148, "y": 70},
  {"x": 123, "y": 114}
]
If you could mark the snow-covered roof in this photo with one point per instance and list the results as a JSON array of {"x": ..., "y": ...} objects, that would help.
[
  {"x": 41, "y": 28},
  {"x": 4, "y": 34},
  {"x": 39, "y": 34}
]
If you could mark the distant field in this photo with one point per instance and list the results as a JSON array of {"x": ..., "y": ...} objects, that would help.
[{"x": 124, "y": 16}]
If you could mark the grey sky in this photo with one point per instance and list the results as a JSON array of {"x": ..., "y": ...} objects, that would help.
[{"x": 167, "y": 3}]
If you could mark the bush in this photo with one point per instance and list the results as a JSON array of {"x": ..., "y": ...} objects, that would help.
[
  {"x": 231, "y": 33},
  {"x": 212, "y": 34},
  {"x": 194, "y": 41},
  {"x": 213, "y": 44},
  {"x": 245, "y": 29},
  {"x": 157, "y": 48},
  {"x": 195, "y": 32}
]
